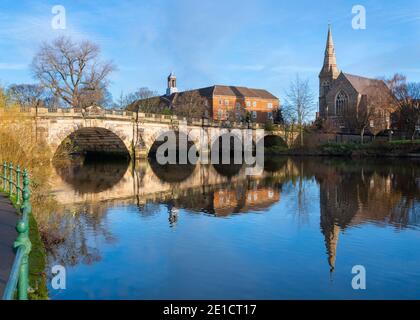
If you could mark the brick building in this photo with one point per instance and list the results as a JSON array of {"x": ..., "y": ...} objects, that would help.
[{"x": 227, "y": 102}]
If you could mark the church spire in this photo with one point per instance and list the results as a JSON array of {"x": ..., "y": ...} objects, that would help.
[{"x": 330, "y": 62}]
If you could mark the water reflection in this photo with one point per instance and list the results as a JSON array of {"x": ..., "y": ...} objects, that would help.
[{"x": 341, "y": 194}]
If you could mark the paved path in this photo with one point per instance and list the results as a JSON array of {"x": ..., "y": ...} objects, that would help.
[{"x": 8, "y": 234}]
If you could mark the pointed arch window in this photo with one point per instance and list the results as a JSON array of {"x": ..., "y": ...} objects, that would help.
[
  {"x": 341, "y": 103},
  {"x": 325, "y": 87}
]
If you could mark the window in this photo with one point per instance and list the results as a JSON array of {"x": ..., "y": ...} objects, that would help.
[
  {"x": 220, "y": 114},
  {"x": 254, "y": 114},
  {"x": 248, "y": 103},
  {"x": 269, "y": 105},
  {"x": 220, "y": 102},
  {"x": 341, "y": 103},
  {"x": 238, "y": 105},
  {"x": 254, "y": 103},
  {"x": 270, "y": 115},
  {"x": 226, "y": 102},
  {"x": 325, "y": 87}
]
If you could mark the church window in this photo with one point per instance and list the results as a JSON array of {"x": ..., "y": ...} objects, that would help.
[
  {"x": 325, "y": 87},
  {"x": 341, "y": 103}
]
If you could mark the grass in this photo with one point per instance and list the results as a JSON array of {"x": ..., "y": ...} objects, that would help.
[
  {"x": 405, "y": 142},
  {"x": 375, "y": 148},
  {"x": 396, "y": 148},
  {"x": 37, "y": 259}
]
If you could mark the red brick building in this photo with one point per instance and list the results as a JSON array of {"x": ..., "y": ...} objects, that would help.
[{"x": 230, "y": 102}]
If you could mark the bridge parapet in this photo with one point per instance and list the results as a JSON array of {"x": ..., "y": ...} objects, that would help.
[
  {"x": 78, "y": 113},
  {"x": 100, "y": 113}
]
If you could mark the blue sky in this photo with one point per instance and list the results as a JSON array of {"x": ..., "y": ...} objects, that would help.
[{"x": 261, "y": 44}]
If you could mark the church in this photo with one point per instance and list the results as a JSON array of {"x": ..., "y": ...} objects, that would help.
[{"x": 343, "y": 96}]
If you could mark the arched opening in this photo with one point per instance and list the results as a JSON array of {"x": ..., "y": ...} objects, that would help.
[
  {"x": 227, "y": 149},
  {"x": 272, "y": 143},
  {"x": 325, "y": 87},
  {"x": 174, "y": 146},
  {"x": 92, "y": 144}
]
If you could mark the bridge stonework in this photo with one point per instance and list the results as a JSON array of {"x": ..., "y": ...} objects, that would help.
[{"x": 137, "y": 131}]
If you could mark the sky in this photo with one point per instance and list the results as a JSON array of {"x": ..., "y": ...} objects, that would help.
[{"x": 258, "y": 44}]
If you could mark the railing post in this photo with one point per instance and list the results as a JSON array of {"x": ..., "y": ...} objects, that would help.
[
  {"x": 11, "y": 179},
  {"x": 23, "y": 240},
  {"x": 4, "y": 176},
  {"x": 18, "y": 185}
]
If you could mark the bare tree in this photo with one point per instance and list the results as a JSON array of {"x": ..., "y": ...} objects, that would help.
[
  {"x": 190, "y": 104},
  {"x": 26, "y": 95},
  {"x": 72, "y": 71},
  {"x": 407, "y": 96},
  {"x": 148, "y": 100},
  {"x": 373, "y": 113},
  {"x": 300, "y": 103}
]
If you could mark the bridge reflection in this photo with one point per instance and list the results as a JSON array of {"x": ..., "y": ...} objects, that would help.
[{"x": 350, "y": 193}]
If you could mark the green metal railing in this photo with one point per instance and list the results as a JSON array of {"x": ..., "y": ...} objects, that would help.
[{"x": 19, "y": 275}]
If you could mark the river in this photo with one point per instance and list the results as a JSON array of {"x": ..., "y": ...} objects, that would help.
[{"x": 212, "y": 232}]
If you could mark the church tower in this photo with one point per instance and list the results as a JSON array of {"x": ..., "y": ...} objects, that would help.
[
  {"x": 327, "y": 75},
  {"x": 171, "y": 84}
]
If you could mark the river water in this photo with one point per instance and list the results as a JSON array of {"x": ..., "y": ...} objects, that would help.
[{"x": 203, "y": 232}]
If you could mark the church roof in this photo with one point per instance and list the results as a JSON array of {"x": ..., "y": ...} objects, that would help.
[{"x": 364, "y": 85}]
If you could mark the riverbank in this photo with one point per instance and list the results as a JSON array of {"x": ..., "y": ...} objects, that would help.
[
  {"x": 398, "y": 148},
  {"x": 37, "y": 260}
]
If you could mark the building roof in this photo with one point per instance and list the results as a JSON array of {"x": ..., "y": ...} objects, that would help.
[
  {"x": 234, "y": 91},
  {"x": 220, "y": 90},
  {"x": 209, "y": 92},
  {"x": 364, "y": 85}
]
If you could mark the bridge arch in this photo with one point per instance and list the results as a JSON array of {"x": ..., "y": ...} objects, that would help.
[
  {"x": 152, "y": 141},
  {"x": 96, "y": 140},
  {"x": 271, "y": 139}
]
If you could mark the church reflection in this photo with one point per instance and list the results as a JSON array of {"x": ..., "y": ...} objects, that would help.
[{"x": 359, "y": 192}]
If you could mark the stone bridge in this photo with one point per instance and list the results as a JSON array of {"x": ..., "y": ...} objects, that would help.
[{"x": 96, "y": 129}]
